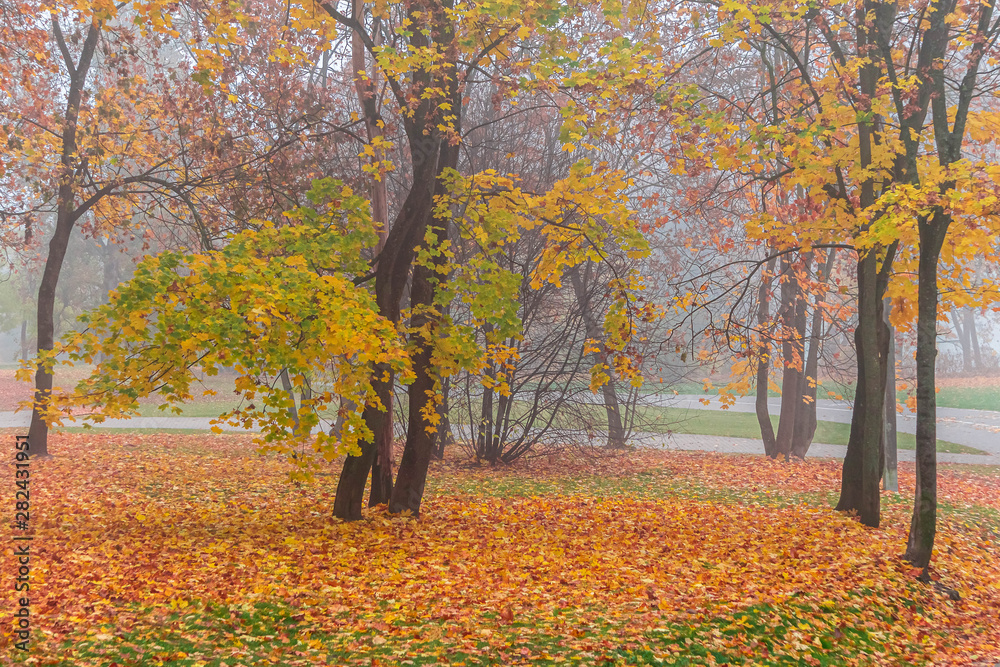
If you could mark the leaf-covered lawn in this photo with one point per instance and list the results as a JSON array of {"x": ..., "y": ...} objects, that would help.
[{"x": 194, "y": 550}]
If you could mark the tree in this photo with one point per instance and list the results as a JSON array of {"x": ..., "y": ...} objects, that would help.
[
  {"x": 883, "y": 110},
  {"x": 103, "y": 129},
  {"x": 276, "y": 301},
  {"x": 428, "y": 55}
]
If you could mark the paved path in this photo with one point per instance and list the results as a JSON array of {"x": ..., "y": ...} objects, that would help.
[
  {"x": 974, "y": 428},
  {"x": 22, "y": 419},
  {"x": 679, "y": 441}
]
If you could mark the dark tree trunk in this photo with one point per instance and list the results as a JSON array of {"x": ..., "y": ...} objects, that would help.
[
  {"x": 923, "y": 525},
  {"x": 366, "y": 84},
  {"x": 424, "y": 392},
  {"x": 862, "y": 470},
  {"x": 66, "y": 216},
  {"x": 348, "y": 502},
  {"x": 391, "y": 274},
  {"x": 409, "y": 489},
  {"x": 38, "y": 431},
  {"x": 382, "y": 466},
  {"x": 890, "y": 478},
  {"x": 763, "y": 362},
  {"x": 792, "y": 315}
]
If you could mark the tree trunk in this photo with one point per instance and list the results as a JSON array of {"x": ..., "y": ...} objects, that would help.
[
  {"x": 484, "y": 434},
  {"x": 890, "y": 478},
  {"x": 445, "y": 437},
  {"x": 862, "y": 470},
  {"x": 962, "y": 333},
  {"x": 286, "y": 384},
  {"x": 763, "y": 362},
  {"x": 66, "y": 216},
  {"x": 366, "y": 85},
  {"x": 923, "y": 525},
  {"x": 382, "y": 465},
  {"x": 792, "y": 314},
  {"x": 38, "y": 431},
  {"x": 805, "y": 423},
  {"x": 348, "y": 503},
  {"x": 420, "y": 435},
  {"x": 612, "y": 406},
  {"x": 391, "y": 274},
  {"x": 24, "y": 339},
  {"x": 973, "y": 335},
  {"x": 424, "y": 392}
]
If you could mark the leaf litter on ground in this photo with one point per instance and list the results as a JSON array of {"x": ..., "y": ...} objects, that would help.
[{"x": 196, "y": 550}]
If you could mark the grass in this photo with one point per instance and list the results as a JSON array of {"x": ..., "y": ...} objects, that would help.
[
  {"x": 745, "y": 425},
  {"x": 186, "y": 638},
  {"x": 969, "y": 398},
  {"x": 984, "y": 397},
  {"x": 657, "y": 419}
]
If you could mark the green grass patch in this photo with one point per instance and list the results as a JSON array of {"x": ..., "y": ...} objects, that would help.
[
  {"x": 964, "y": 398},
  {"x": 745, "y": 425},
  {"x": 802, "y": 631},
  {"x": 968, "y": 398}
]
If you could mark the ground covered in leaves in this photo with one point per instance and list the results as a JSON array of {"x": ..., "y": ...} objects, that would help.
[{"x": 194, "y": 550}]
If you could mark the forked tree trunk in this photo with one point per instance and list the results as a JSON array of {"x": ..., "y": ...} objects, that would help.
[
  {"x": 391, "y": 274},
  {"x": 423, "y": 393}
]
